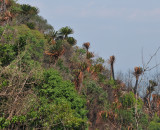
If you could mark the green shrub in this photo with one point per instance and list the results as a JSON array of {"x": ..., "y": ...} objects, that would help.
[
  {"x": 27, "y": 9},
  {"x": 59, "y": 104},
  {"x": 128, "y": 100},
  {"x": 61, "y": 66},
  {"x": 1, "y": 30},
  {"x": 102, "y": 78},
  {"x": 7, "y": 54},
  {"x": 93, "y": 91},
  {"x": 71, "y": 41},
  {"x": 155, "y": 124},
  {"x": 31, "y": 25}
]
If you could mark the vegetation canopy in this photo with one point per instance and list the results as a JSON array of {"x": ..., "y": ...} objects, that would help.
[{"x": 47, "y": 82}]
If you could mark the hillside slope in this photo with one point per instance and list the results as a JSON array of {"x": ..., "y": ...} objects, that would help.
[{"x": 47, "y": 82}]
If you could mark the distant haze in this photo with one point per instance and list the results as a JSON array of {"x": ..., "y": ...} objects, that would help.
[{"x": 113, "y": 27}]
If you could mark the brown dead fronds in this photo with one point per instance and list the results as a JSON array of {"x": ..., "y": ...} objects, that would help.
[{"x": 86, "y": 45}]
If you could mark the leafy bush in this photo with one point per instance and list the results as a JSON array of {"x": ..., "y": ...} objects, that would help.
[
  {"x": 27, "y": 9},
  {"x": 1, "y": 30},
  {"x": 155, "y": 124},
  {"x": 126, "y": 114},
  {"x": 7, "y": 54},
  {"x": 61, "y": 66},
  {"x": 31, "y": 25},
  {"x": 93, "y": 91},
  {"x": 71, "y": 41},
  {"x": 59, "y": 104},
  {"x": 128, "y": 100},
  {"x": 102, "y": 78},
  {"x": 126, "y": 117}
]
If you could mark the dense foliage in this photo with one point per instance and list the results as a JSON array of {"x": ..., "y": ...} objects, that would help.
[{"x": 47, "y": 82}]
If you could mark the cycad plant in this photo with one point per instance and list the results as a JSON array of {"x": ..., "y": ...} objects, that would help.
[
  {"x": 65, "y": 31},
  {"x": 86, "y": 45},
  {"x": 155, "y": 103},
  {"x": 56, "y": 50},
  {"x": 51, "y": 37},
  {"x": 79, "y": 76},
  {"x": 89, "y": 55},
  {"x": 53, "y": 34},
  {"x": 71, "y": 41},
  {"x": 137, "y": 72},
  {"x": 111, "y": 61},
  {"x": 150, "y": 89}
]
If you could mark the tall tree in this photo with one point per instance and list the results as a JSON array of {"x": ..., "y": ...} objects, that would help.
[
  {"x": 86, "y": 45},
  {"x": 137, "y": 72},
  {"x": 111, "y": 62}
]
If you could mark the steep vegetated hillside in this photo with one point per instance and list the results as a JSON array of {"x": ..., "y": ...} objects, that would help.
[{"x": 47, "y": 82}]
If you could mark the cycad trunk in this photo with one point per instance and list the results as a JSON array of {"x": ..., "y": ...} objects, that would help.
[
  {"x": 65, "y": 36},
  {"x": 80, "y": 78},
  {"x": 148, "y": 97},
  {"x": 112, "y": 71},
  {"x": 136, "y": 86}
]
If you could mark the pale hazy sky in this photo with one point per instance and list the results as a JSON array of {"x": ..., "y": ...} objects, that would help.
[{"x": 113, "y": 27}]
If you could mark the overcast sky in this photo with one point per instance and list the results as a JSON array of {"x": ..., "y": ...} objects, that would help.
[{"x": 113, "y": 27}]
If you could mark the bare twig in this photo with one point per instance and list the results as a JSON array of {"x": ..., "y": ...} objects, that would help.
[{"x": 146, "y": 66}]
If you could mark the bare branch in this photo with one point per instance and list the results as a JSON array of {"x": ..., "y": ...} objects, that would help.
[{"x": 146, "y": 66}]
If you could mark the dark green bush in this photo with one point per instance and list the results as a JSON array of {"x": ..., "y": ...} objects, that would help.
[
  {"x": 128, "y": 100},
  {"x": 31, "y": 25},
  {"x": 59, "y": 104},
  {"x": 7, "y": 54},
  {"x": 155, "y": 124}
]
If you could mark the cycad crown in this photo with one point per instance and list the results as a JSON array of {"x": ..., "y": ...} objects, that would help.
[
  {"x": 112, "y": 59},
  {"x": 138, "y": 71},
  {"x": 86, "y": 45}
]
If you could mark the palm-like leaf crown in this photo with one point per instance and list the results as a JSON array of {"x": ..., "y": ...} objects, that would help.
[
  {"x": 53, "y": 34},
  {"x": 71, "y": 41},
  {"x": 138, "y": 71},
  {"x": 57, "y": 47},
  {"x": 111, "y": 60},
  {"x": 152, "y": 86},
  {"x": 152, "y": 83},
  {"x": 86, "y": 45},
  {"x": 65, "y": 31}
]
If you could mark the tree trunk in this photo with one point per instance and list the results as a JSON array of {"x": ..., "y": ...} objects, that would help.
[
  {"x": 65, "y": 36},
  {"x": 80, "y": 78},
  {"x": 136, "y": 85},
  {"x": 112, "y": 71}
]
